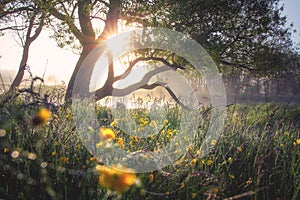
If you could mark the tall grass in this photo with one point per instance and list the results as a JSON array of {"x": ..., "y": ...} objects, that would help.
[{"x": 256, "y": 157}]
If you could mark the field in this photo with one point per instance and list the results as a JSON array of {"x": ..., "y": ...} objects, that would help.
[{"x": 257, "y": 155}]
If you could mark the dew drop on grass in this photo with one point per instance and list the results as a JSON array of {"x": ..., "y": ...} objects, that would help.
[
  {"x": 2, "y": 132},
  {"x": 44, "y": 165},
  {"x": 15, "y": 154},
  {"x": 31, "y": 156}
]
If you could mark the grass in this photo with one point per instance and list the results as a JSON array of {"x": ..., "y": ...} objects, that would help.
[{"x": 256, "y": 157}]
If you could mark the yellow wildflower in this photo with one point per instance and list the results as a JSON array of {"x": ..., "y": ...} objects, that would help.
[
  {"x": 231, "y": 176},
  {"x": 166, "y": 121},
  {"x": 5, "y": 150},
  {"x": 230, "y": 160},
  {"x": 213, "y": 142},
  {"x": 151, "y": 177},
  {"x": 249, "y": 181},
  {"x": 298, "y": 141},
  {"x": 181, "y": 185},
  {"x": 53, "y": 153},
  {"x": 215, "y": 190},
  {"x": 114, "y": 123},
  {"x": 194, "y": 161},
  {"x": 286, "y": 133},
  {"x": 209, "y": 162},
  {"x": 194, "y": 194},
  {"x": 41, "y": 117},
  {"x": 239, "y": 149},
  {"x": 281, "y": 145},
  {"x": 92, "y": 159},
  {"x": 63, "y": 159},
  {"x": 115, "y": 178},
  {"x": 120, "y": 142},
  {"x": 106, "y": 134}
]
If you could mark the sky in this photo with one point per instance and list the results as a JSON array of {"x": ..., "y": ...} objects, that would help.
[{"x": 46, "y": 57}]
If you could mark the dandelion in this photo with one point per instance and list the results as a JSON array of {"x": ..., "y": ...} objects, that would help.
[
  {"x": 213, "y": 142},
  {"x": 2, "y": 133},
  {"x": 194, "y": 161},
  {"x": 215, "y": 190},
  {"x": 92, "y": 159},
  {"x": 194, "y": 195},
  {"x": 114, "y": 123},
  {"x": 249, "y": 181},
  {"x": 15, "y": 154},
  {"x": 106, "y": 134},
  {"x": 41, "y": 117},
  {"x": 286, "y": 133},
  {"x": 120, "y": 142},
  {"x": 63, "y": 159},
  {"x": 230, "y": 160},
  {"x": 181, "y": 185},
  {"x": 116, "y": 178},
  {"x": 151, "y": 177},
  {"x": 239, "y": 149},
  {"x": 209, "y": 162}
]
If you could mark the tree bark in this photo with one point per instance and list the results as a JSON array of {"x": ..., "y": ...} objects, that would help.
[{"x": 28, "y": 40}]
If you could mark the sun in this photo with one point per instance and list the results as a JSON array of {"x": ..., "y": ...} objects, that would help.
[{"x": 117, "y": 43}]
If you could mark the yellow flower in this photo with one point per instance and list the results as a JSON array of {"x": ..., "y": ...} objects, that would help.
[
  {"x": 202, "y": 161},
  {"x": 298, "y": 141},
  {"x": 209, "y": 162},
  {"x": 229, "y": 160},
  {"x": 166, "y": 121},
  {"x": 181, "y": 185},
  {"x": 213, "y": 142},
  {"x": 106, "y": 134},
  {"x": 215, "y": 190},
  {"x": 194, "y": 195},
  {"x": 5, "y": 150},
  {"x": 63, "y": 159},
  {"x": 281, "y": 145},
  {"x": 116, "y": 178},
  {"x": 92, "y": 159},
  {"x": 41, "y": 117},
  {"x": 120, "y": 142},
  {"x": 194, "y": 161},
  {"x": 286, "y": 133},
  {"x": 151, "y": 177},
  {"x": 114, "y": 123},
  {"x": 249, "y": 181},
  {"x": 231, "y": 176},
  {"x": 239, "y": 149},
  {"x": 53, "y": 153}
]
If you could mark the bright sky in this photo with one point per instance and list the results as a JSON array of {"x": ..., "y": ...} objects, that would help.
[{"x": 60, "y": 63}]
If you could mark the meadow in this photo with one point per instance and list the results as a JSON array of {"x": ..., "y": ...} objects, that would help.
[{"x": 257, "y": 155}]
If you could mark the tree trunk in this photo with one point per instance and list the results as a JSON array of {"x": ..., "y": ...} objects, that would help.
[{"x": 28, "y": 40}]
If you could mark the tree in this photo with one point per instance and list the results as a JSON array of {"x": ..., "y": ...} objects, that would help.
[{"x": 22, "y": 18}]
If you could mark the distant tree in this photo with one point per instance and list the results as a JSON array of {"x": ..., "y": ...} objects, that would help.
[{"x": 26, "y": 21}]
